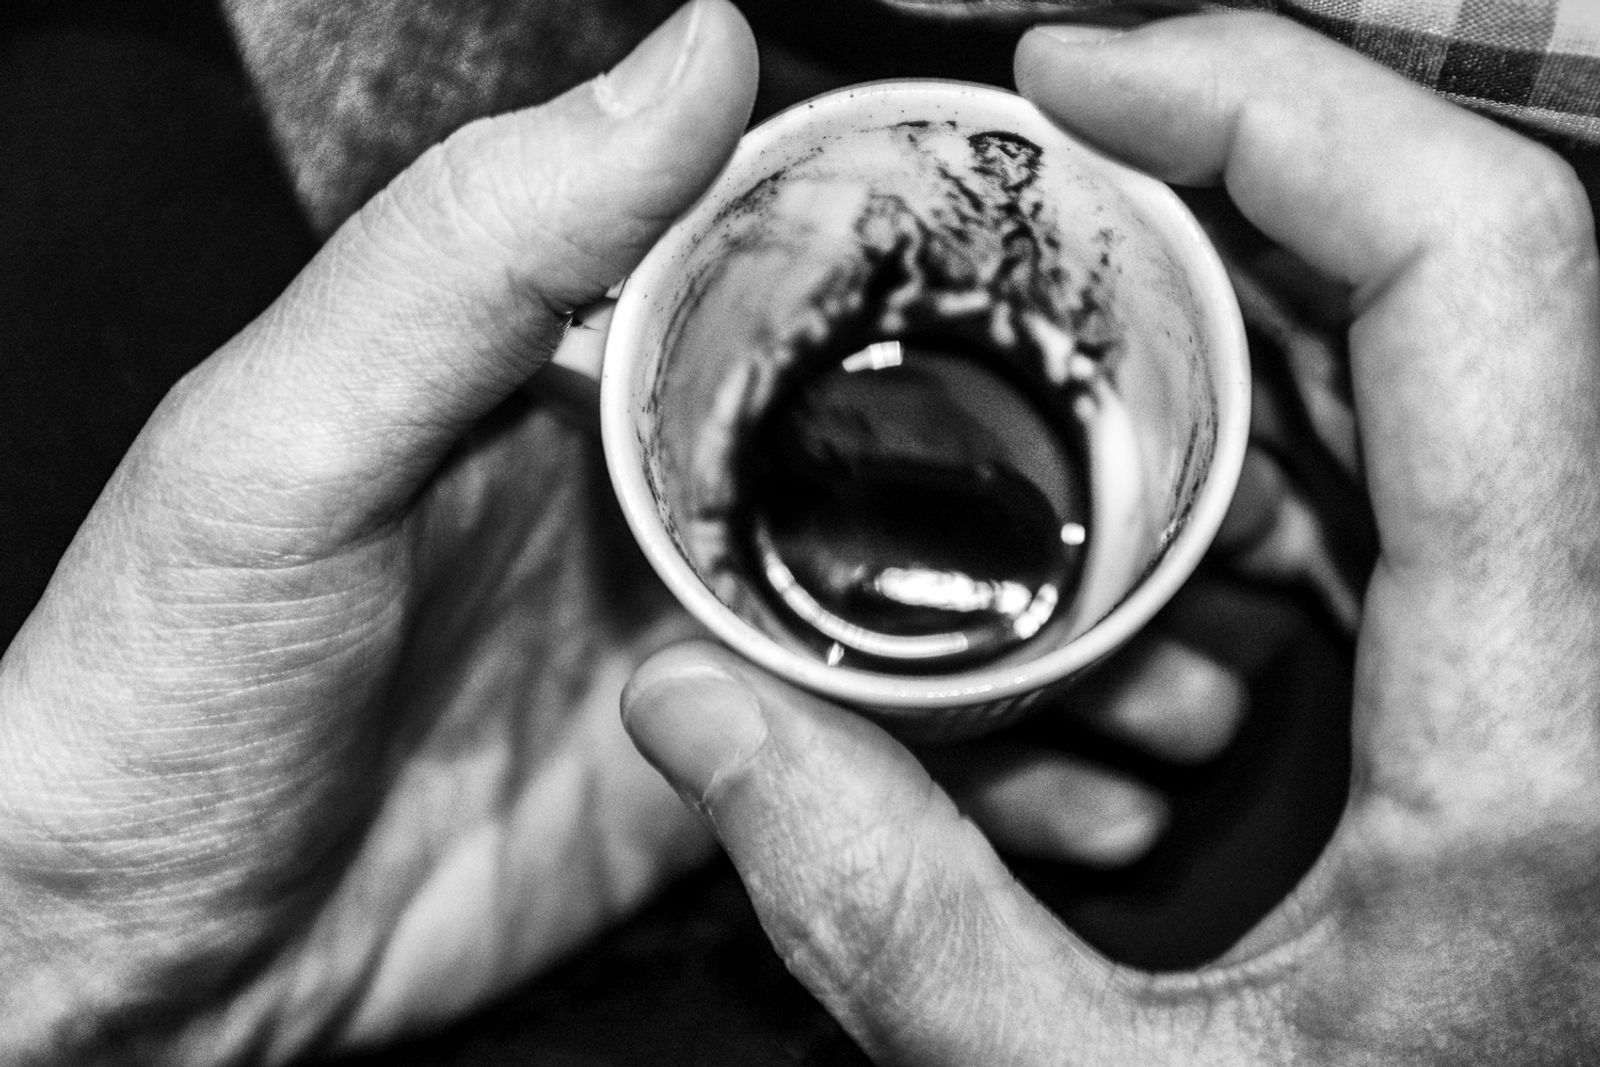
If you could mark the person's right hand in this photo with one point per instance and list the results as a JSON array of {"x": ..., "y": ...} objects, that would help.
[{"x": 1455, "y": 917}]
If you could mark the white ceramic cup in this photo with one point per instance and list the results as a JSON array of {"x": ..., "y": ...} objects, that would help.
[{"x": 1119, "y": 294}]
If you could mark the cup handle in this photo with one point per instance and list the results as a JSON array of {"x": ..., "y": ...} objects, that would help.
[{"x": 569, "y": 383}]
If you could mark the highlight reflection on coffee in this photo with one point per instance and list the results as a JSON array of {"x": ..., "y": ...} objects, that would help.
[
  {"x": 885, "y": 388},
  {"x": 910, "y": 506}
]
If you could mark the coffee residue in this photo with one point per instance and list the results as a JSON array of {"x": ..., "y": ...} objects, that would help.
[{"x": 978, "y": 267}]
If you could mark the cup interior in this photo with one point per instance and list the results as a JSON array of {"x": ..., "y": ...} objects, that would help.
[{"x": 931, "y": 206}]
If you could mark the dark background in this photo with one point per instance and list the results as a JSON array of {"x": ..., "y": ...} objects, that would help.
[{"x": 143, "y": 220}]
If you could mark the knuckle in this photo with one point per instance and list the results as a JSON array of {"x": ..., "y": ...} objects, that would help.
[
  {"x": 559, "y": 203},
  {"x": 550, "y": 204},
  {"x": 206, "y": 485},
  {"x": 461, "y": 194},
  {"x": 1535, "y": 207}
]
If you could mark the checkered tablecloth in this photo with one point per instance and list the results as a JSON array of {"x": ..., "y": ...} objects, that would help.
[{"x": 1535, "y": 62}]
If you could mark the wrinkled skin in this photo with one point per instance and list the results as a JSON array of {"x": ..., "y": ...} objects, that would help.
[{"x": 313, "y": 739}]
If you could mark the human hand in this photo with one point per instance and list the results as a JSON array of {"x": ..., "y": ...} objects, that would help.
[
  {"x": 1454, "y": 917},
  {"x": 313, "y": 737}
]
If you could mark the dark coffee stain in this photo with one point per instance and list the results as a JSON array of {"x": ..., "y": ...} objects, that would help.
[
  {"x": 978, "y": 267},
  {"x": 983, "y": 268}
]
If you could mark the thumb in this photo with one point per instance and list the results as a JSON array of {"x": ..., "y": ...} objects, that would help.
[
  {"x": 450, "y": 287},
  {"x": 887, "y": 904}
]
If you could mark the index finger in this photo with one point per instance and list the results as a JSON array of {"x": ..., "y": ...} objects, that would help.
[
  {"x": 1475, "y": 359},
  {"x": 1470, "y": 249}
]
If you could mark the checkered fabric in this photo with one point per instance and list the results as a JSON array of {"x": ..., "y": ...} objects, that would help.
[{"x": 1534, "y": 62}]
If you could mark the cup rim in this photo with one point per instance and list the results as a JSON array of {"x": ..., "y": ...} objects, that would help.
[{"x": 996, "y": 681}]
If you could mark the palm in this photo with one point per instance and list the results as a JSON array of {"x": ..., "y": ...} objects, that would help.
[{"x": 511, "y": 793}]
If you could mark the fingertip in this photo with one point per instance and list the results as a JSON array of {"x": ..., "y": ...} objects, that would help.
[
  {"x": 1043, "y": 47},
  {"x": 1125, "y": 842},
  {"x": 1171, "y": 700},
  {"x": 685, "y": 657},
  {"x": 728, "y": 39},
  {"x": 716, "y": 65},
  {"x": 1049, "y": 806},
  {"x": 1135, "y": 819},
  {"x": 1210, "y": 702},
  {"x": 1096, "y": 82},
  {"x": 672, "y": 111},
  {"x": 693, "y": 718},
  {"x": 703, "y": 39}
]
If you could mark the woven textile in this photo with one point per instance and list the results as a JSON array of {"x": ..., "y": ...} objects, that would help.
[{"x": 1535, "y": 62}]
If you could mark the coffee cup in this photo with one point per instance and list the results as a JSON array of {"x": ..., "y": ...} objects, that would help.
[{"x": 926, "y": 406}]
